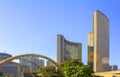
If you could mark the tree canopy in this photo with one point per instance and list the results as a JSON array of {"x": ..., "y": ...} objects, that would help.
[
  {"x": 1, "y": 73},
  {"x": 51, "y": 70},
  {"x": 73, "y": 68}
]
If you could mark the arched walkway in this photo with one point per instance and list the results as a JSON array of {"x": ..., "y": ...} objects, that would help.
[
  {"x": 35, "y": 65},
  {"x": 23, "y": 67},
  {"x": 34, "y": 55}
]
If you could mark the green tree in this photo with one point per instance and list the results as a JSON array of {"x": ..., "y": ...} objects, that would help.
[
  {"x": 71, "y": 63},
  {"x": 51, "y": 70},
  {"x": 73, "y": 68},
  {"x": 83, "y": 71},
  {"x": 1, "y": 73}
]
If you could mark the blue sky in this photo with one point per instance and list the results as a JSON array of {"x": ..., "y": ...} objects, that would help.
[{"x": 31, "y": 26}]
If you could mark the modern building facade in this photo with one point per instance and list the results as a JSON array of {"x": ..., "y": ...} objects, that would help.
[
  {"x": 98, "y": 43},
  {"x": 90, "y": 50},
  {"x": 42, "y": 62},
  {"x": 24, "y": 63},
  {"x": 33, "y": 59},
  {"x": 67, "y": 50},
  {"x": 48, "y": 63},
  {"x": 9, "y": 69},
  {"x": 4, "y": 56},
  {"x": 113, "y": 67}
]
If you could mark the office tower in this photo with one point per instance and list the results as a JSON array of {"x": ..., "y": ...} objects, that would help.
[
  {"x": 41, "y": 62},
  {"x": 98, "y": 43},
  {"x": 48, "y": 63},
  {"x": 67, "y": 50},
  {"x": 9, "y": 68},
  {"x": 33, "y": 59},
  {"x": 4, "y": 56},
  {"x": 24, "y": 62},
  {"x": 90, "y": 49},
  {"x": 113, "y": 67}
]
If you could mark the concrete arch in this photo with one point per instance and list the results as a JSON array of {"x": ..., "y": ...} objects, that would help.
[
  {"x": 24, "y": 68},
  {"x": 34, "y": 55},
  {"x": 35, "y": 65}
]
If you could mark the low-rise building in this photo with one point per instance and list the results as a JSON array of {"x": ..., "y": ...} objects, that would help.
[{"x": 9, "y": 69}]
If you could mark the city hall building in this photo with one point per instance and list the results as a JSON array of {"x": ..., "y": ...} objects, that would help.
[
  {"x": 98, "y": 43},
  {"x": 67, "y": 50}
]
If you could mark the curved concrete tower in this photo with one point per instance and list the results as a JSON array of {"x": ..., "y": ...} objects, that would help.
[{"x": 67, "y": 50}]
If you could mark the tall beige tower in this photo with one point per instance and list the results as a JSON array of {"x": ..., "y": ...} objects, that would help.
[
  {"x": 98, "y": 53},
  {"x": 90, "y": 50}
]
